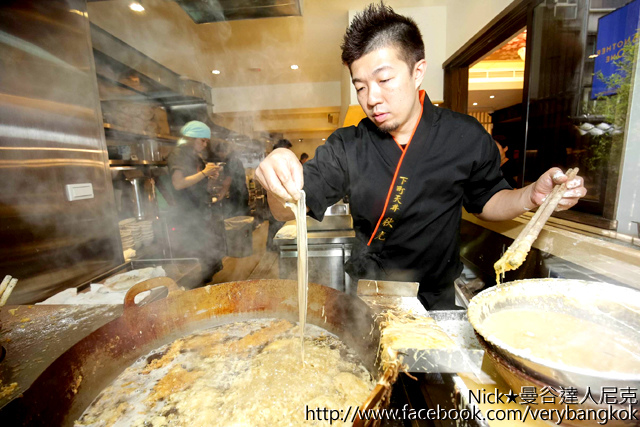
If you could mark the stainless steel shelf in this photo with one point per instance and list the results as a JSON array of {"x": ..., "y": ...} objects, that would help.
[
  {"x": 124, "y": 132},
  {"x": 136, "y": 163}
]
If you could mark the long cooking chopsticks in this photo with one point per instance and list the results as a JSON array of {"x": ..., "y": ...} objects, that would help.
[
  {"x": 6, "y": 288},
  {"x": 515, "y": 255}
]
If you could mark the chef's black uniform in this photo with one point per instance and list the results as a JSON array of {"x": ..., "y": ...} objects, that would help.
[
  {"x": 196, "y": 225},
  {"x": 406, "y": 202}
]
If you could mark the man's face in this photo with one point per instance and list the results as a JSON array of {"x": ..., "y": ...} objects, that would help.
[{"x": 387, "y": 87}]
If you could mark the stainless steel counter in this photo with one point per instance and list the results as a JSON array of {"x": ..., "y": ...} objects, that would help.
[
  {"x": 328, "y": 250},
  {"x": 480, "y": 248},
  {"x": 286, "y": 237}
]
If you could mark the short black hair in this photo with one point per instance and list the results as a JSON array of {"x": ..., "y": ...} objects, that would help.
[
  {"x": 283, "y": 143},
  {"x": 304, "y": 156},
  {"x": 379, "y": 26}
]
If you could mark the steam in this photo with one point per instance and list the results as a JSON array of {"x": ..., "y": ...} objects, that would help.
[
  {"x": 57, "y": 140},
  {"x": 49, "y": 137},
  {"x": 168, "y": 35}
]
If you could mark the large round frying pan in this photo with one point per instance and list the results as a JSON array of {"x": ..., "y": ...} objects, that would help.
[
  {"x": 71, "y": 383},
  {"x": 614, "y": 307}
]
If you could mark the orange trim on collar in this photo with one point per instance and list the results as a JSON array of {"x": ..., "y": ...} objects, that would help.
[
  {"x": 421, "y": 94},
  {"x": 395, "y": 175}
]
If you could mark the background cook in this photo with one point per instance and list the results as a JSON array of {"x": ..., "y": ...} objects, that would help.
[{"x": 198, "y": 222}]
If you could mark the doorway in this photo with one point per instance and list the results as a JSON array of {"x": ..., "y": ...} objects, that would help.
[
  {"x": 495, "y": 97},
  {"x": 561, "y": 120},
  {"x": 488, "y": 78}
]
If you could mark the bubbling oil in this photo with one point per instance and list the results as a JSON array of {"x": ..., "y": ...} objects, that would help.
[{"x": 245, "y": 373}]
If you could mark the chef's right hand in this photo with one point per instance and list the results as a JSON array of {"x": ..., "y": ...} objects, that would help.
[
  {"x": 280, "y": 173},
  {"x": 211, "y": 170}
]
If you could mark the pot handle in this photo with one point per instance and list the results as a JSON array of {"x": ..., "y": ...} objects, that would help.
[{"x": 147, "y": 285}]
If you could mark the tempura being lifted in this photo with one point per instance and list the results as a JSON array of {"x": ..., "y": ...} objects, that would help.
[{"x": 515, "y": 255}]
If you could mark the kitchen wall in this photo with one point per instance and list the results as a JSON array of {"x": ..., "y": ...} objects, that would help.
[
  {"x": 166, "y": 34},
  {"x": 299, "y": 125},
  {"x": 279, "y": 96},
  {"x": 308, "y": 147},
  {"x": 466, "y": 18},
  {"x": 445, "y": 28},
  {"x": 432, "y": 22}
]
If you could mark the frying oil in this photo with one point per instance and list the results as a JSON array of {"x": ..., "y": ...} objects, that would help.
[{"x": 245, "y": 373}]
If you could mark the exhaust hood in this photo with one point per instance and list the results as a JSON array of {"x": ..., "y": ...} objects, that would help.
[{"x": 204, "y": 11}]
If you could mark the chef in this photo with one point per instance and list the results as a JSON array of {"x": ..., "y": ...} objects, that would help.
[
  {"x": 197, "y": 221},
  {"x": 408, "y": 167}
]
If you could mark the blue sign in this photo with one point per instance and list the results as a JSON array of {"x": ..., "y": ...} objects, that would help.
[{"x": 615, "y": 30}]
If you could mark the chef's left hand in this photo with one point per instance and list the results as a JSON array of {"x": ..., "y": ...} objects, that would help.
[{"x": 541, "y": 189}]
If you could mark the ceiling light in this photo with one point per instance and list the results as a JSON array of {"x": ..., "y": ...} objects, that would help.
[
  {"x": 475, "y": 103},
  {"x": 215, "y": 71},
  {"x": 593, "y": 56},
  {"x": 491, "y": 96},
  {"x": 294, "y": 67},
  {"x": 324, "y": 139},
  {"x": 300, "y": 140},
  {"x": 136, "y": 7}
]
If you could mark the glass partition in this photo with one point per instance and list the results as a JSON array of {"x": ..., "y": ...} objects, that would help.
[{"x": 579, "y": 82}]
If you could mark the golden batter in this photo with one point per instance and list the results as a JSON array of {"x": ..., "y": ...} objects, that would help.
[
  {"x": 512, "y": 259},
  {"x": 565, "y": 339}
]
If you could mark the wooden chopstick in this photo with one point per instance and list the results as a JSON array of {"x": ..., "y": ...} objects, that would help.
[
  {"x": 5, "y": 283},
  {"x": 6, "y": 288},
  {"x": 517, "y": 252}
]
